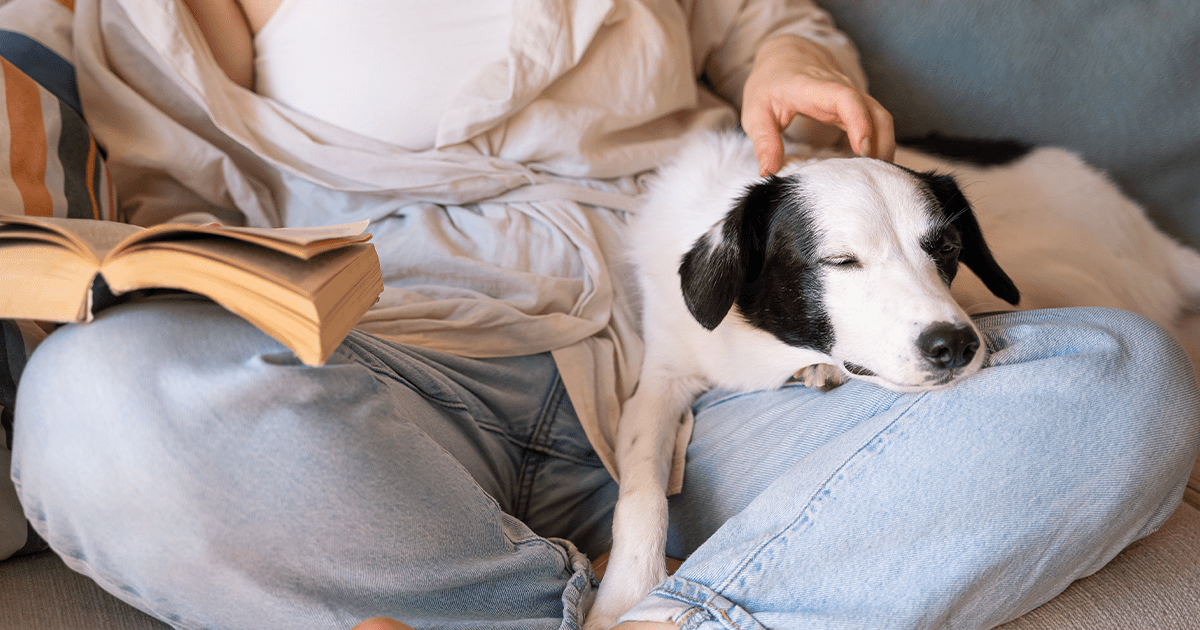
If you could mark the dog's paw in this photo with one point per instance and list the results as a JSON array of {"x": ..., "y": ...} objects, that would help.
[
  {"x": 822, "y": 376},
  {"x": 600, "y": 622},
  {"x": 624, "y": 585}
]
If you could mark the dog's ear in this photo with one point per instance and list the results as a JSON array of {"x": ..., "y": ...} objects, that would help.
[
  {"x": 975, "y": 252},
  {"x": 721, "y": 262}
]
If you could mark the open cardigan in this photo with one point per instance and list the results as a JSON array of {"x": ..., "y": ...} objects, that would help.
[{"x": 504, "y": 239}]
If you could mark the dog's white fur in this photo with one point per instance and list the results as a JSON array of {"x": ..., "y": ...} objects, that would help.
[
  {"x": 1065, "y": 233},
  {"x": 1069, "y": 237},
  {"x": 867, "y": 211}
]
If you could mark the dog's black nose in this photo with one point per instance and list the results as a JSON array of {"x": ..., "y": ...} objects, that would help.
[{"x": 948, "y": 346}]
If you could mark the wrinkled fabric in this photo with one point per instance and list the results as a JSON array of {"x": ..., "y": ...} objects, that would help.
[
  {"x": 215, "y": 482},
  {"x": 504, "y": 239}
]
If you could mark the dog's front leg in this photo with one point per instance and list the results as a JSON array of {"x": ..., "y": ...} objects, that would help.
[{"x": 645, "y": 447}]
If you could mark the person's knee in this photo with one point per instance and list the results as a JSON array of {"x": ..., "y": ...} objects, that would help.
[
  {"x": 1146, "y": 393},
  {"x": 93, "y": 425},
  {"x": 1149, "y": 365},
  {"x": 82, "y": 369},
  {"x": 1112, "y": 348},
  {"x": 1117, "y": 388}
]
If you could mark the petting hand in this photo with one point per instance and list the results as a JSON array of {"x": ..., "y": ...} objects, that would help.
[
  {"x": 792, "y": 75},
  {"x": 381, "y": 623}
]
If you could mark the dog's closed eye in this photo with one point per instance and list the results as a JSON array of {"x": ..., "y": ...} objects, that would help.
[
  {"x": 844, "y": 261},
  {"x": 948, "y": 247}
]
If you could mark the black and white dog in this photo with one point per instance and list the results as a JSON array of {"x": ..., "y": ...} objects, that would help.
[
  {"x": 842, "y": 268},
  {"x": 1067, "y": 235},
  {"x": 844, "y": 264}
]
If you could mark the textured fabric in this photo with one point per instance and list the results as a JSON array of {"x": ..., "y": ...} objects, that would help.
[
  {"x": 38, "y": 591},
  {"x": 466, "y": 269},
  {"x": 384, "y": 68},
  {"x": 1113, "y": 80},
  {"x": 429, "y": 487},
  {"x": 1192, "y": 495},
  {"x": 954, "y": 509},
  {"x": 1150, "y": 586},
  {"x": 49, "y": 166},
  {"x": 49, "y": 163},
  {"x": 388, "y": 481}
]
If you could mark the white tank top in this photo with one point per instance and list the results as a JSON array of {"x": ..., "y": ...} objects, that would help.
[{"x": 386, "y": 69}]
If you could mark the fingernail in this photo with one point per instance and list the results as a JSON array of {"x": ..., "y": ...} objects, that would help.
[{"x": 864, "y": 148}]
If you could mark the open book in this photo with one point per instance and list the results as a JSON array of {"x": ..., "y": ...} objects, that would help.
[{"x": 306, "y": 287}]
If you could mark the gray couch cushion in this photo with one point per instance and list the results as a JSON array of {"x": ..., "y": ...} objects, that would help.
[
  {"x": 1151, "y": 585},
  {"x": 39, "y": 591},
  {"x": 1114, "y": 80}
]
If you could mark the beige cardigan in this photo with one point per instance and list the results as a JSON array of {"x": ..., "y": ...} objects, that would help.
[{"x": 504, "y": 239}]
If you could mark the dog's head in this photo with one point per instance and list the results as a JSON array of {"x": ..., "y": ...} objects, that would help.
[{"x": 852, "y": 258}]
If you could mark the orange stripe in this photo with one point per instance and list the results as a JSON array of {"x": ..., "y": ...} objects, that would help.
[
  {"x": 113, "y": 215},
  {"x": 27, "y": 143},
  {"x": 69, "y": 4},
  {"x": 91, "y": 179}
]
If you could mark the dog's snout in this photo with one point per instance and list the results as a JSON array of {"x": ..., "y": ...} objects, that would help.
[{"x": 948, "y": 346}]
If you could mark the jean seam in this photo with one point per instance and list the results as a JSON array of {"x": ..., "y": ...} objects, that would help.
[
  {"x": 754, "y": 553},
  {"x": 548, "y": 451},
  {"x": 534, "y": 450},
  {"x": 383, "y": 371},
  {"x": 367, "y": 359},
  {"x": 698, "y": 605}
]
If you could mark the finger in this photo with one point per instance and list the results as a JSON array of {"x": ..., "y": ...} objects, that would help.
[
  {"x": 869, "y": 127},
  {"x": 855, "y": 118},
  {"x": 885, "y": 133},
  {"x": 765, "y": 134},
  {"x": 381, "y": 623}
]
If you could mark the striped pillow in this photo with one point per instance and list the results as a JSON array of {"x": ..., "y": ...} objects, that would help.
[{"x": 50, "y": 165}]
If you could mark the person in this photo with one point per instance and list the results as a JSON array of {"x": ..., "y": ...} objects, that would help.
[{"x": 452, "y": 464}]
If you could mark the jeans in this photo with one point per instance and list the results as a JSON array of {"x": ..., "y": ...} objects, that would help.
[{"x": 192, "y": 467}]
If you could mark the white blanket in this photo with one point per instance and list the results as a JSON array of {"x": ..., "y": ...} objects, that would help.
[{"x": 502, "y": 240}]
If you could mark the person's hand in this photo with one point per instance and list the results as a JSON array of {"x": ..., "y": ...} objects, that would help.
[
  {"x": 381, "y": 623},
  {"x": 792, "y": 75}
]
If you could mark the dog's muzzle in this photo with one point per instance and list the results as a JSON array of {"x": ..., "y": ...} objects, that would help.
[{"x": 948, "y": 346}]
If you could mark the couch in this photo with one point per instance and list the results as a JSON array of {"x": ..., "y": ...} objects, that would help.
[{"x": 1117, "y": 81}]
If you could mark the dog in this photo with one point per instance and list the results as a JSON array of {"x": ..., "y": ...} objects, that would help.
[
  {"x": 1066, "y": 234},
  {"x": 834, "y": 268},
  {"x": 842, "y": 268}
]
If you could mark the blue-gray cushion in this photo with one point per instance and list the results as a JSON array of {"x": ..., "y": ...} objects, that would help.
[{"x": 1117, "y": 81}]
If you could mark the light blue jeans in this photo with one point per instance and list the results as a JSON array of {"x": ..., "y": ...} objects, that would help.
[{"x": 189, "y": 465}]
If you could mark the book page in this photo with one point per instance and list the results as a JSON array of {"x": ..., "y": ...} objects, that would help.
[
  {"x": 108, "y": 238},
  {"x": 303, "y": 243},
  {"x": 307, "y": 305},
  {"x": 307, "y": 235},
  {"x": 303, "y": 277},
  {"x": 86, "y": 237},
  {"x": 39, "y": 281}
]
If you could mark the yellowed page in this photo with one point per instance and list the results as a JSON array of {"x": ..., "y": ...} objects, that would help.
[
  {"x": 304, "y": 277},
  {"x": 273, "y": 291},
  {"x": 303, "y": 243},
  {"x": 43, "y": 281},
  {"x": 86, "y": 237}
]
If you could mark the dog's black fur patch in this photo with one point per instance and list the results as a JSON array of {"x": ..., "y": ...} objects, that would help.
[
  {"x": 855, "y": 368},
  {"x": 765, "y": 263},
  {"x": 955, "y": 213},
  {"x": 766, "y": 260},
  {"x": 977, "y": 151}
]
